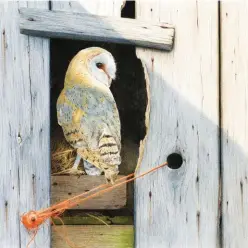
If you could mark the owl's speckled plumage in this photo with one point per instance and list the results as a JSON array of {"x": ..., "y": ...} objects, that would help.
[{"x": 87, "y": 111}]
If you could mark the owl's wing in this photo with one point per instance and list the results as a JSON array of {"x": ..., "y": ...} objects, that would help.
[
  {"x": 69, "y": 117},
  {"x": 98, "y": 123},
  {"x": 103, "y": 111},
  {"x": 64, "y": 110},
  {"x": 109, "y": 149}
]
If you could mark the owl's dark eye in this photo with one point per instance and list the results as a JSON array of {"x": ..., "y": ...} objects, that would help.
[{"x": 99, "y": 65}]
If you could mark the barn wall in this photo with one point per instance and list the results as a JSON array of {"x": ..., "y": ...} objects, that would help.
[{"x": 201, "y": 204}]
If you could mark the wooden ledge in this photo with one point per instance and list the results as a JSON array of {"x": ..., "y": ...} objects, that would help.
[
  {"x": 81, "y": 26},
  {"x": 94, "y": 236},
  {"x": 64, "y": 187}
]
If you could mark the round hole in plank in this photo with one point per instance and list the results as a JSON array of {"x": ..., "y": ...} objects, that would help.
[{"x": 175, "y": 161}]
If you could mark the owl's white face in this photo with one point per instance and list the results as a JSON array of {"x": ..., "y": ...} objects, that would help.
[{"x": 103, "y": 68}]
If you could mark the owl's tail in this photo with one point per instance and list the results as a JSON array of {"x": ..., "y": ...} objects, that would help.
[{"x": 109, "y": 150}]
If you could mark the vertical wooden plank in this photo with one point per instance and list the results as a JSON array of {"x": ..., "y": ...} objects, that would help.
[
  {"x": 234, "y": 89},
  {"x": 24, "y": 127},
  {"x": 179, "y": 208}
]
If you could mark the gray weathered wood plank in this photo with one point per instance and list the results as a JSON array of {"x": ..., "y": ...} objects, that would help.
[
  {"x": 24, "y": 127},
  {"x": 70, "y": 186},
  {"x": 68, "y": 25},
  {"x": 97, "y": 7},
  {"x": 179, "y": 208},
  {"x": 234, "y": 113}
]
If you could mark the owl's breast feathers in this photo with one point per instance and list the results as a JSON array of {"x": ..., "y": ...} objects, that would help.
[{"x": 90, "y": 121}]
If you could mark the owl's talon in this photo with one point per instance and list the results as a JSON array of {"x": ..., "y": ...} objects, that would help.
[
  {"x": 108, "y": 181},
  {"x": 76, "y": 172}
]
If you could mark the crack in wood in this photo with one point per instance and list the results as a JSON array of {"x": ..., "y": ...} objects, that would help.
[
  {"x": 197, "y": 15},
  {"x": 4, "y": 47},
  {"x": 198, "y": 216},
  {"x": 6, "y": 213}
]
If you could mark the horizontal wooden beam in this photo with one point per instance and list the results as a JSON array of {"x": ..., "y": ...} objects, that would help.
[
  {"x": 64, "y": 187},
  {"x": 94, "y": 236},
  {"x": 81, "y": 26}
]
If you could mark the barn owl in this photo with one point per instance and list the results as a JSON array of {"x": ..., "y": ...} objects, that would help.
[{"x": 88, "y": 114}]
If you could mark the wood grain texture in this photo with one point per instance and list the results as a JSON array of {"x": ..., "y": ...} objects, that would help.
[
  {"x": 97, "y": 7},
  {"x": 179, "y": 208},
  {"x": 64, "y": 187},
  {"x": 24, "y": 127},
  {"x": 95, "y": 236},
  {"x": 234, "y": 112},
  {"x": 67, "y": 25}
]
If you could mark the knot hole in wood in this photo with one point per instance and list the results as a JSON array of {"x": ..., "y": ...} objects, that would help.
[{"x": 175, "y": 161}]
